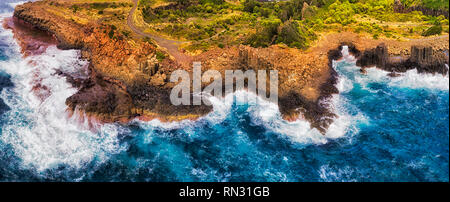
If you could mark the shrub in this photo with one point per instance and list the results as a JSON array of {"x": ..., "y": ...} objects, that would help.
[
  {"x": 111, "y": 34},
  {"x": 265, "y": 12},
  {"x": 160, "y": 55},
  {"x": 126, "y": 33},
  {"x": 375, "y": 36},
  {"x": 293, "y": 34},
  {"x": 75, "y": 8},
  {"x": 100, "y": 6},
  {"x": 264, "y": 36},
  {"x": 249, "y": 5},
  {"x": 434, "y": 30},
  {"x": 434, "y": 4},
  {"x": 341, "y": 13},
  {"x": 172, "y": 18},
  {"x": 214, "y": 2}
]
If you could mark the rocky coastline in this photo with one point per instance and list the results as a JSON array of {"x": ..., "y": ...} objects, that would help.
[
  {"x": 128, "y": 81},
  {"x": 422, "y": 58}
]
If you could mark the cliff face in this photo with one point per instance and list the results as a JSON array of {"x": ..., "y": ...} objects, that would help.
[
  {"x": 32, "y": 41},
  {"x": 305, "y": 80},
  {"x": 127, "y": 80},
  {"x": 422, "y": 58},
  {"x": 377, "y": 56},
  {"x": 67, "y": 33}
]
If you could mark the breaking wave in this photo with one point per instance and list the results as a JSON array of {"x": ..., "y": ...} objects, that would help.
[
  {"x": 266, "y": 114},
  {"x": 410, "y": 79},
  {"x": 387, "y": 129},
  {"x": 37, "y": 126}
]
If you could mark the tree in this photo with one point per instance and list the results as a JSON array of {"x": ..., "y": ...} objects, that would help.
[
  {"x": 289, "y": 34},
  {"x": 265, "y": 34},
  {"x": 434, "y": 30},
  {"x": 249, "y": 5}
]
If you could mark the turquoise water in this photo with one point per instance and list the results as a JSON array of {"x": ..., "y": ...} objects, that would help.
[{"x": 390, "y": 129}]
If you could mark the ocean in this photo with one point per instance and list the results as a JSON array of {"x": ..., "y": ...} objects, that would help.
[{"x": 388, "y": 129}]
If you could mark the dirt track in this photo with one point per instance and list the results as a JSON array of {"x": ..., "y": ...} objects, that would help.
[{"x": 171, "y": 46}]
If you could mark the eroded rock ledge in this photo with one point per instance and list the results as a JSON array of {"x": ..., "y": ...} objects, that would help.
[
  {"x": 128, "y": 81},
  {"x": 422, "y": 57}
]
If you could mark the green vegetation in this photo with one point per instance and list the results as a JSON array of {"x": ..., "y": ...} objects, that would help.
[
  {"x": 177, "y": 18},
  {"x": 75, "y": 8},
  {"x": 295, "y": 23},
  {"x": 434, "y": 4},
  {"x": 126, "y": 33},
  {"x": 265, "y": 33},
  {"x": 294, "y": 35},
  {"x": 436, "y": 29},
  {"x": 111, "y": 34},
  {"x": 160, "y": 55},
  {"x": 375, "y": 18}
]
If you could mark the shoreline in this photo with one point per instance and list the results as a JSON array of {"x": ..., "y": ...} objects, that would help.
[{"x": 112, "y": 96}]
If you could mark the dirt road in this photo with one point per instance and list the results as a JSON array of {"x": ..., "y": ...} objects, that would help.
[{"x": 171, "y": 46}]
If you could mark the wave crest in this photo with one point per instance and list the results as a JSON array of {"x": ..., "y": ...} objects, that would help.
[{"x": 38, "y": 127}]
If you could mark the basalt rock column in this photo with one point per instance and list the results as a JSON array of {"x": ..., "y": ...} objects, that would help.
[{"x": 374, "y": 57}]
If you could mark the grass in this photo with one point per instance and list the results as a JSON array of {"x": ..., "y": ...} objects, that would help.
[
  {"x": 209, "y": 25},
  {"x": 434, "y": 4},
  {"x": 220, "y": 23}
]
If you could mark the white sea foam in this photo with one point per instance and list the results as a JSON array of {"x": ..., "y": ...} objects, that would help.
[
  {"x": 344, "y": 84},
  {"x": 413, "y": 79},
  {"x": 268, "y": 115},
  {"x": 346, "y": 56},
  {"x": 409, "y": 79},
  {"x": 38, "y": 127},
  {"x": 14, "y": 4},
  {"x": 7, "y": 7},
  {"x": 221, "y": 108},
  {"x": 328, "y": 174}
]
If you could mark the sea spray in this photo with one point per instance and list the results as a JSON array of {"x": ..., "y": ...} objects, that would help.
[
  {"x": 38, "y": 126},
  {"x": 392, "y": 133},
  {"x": 262, "y": 113},
  {"x": 409, "y": 79},
  {"x": 267, "y": 114},
  {"x": 415, "y": 80}
]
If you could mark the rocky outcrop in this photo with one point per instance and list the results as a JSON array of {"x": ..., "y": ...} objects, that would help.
[
  {"x": 422, "y": 58},
  {"x": 32, "y": 41},
  {"x": 125, "y": 80},
  {"x": 306, "y": 80},
  {"x": 249, "y": 59},
  {"x": 377, "y": 56},
  {"x": 68, "y": 34}
]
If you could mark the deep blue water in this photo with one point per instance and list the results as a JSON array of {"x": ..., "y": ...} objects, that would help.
[{"x": 393, "y": 129}]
